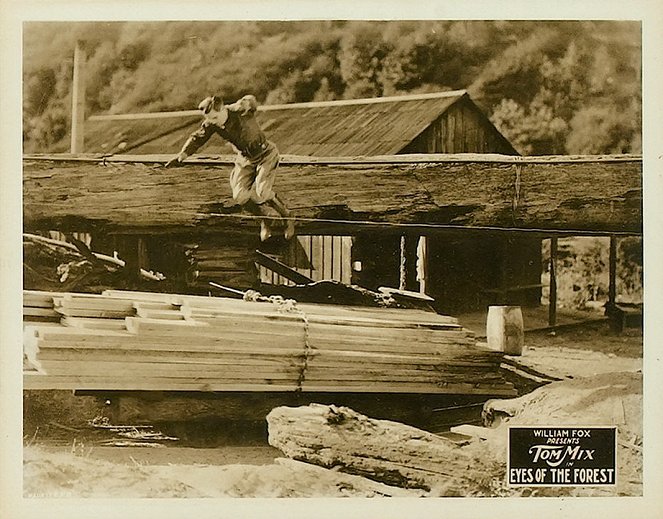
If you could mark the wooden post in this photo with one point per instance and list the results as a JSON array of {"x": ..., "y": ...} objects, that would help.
[
  {"x": 504, "y": 275},
  {"x": 133, "y": 250},
  {"x": 78, "y": 100},
  {"x": 552, "y": 304},
  {"x": 505, "y": 330},
  {"x": 422, "y": 263},
  {"x": 402, "y": 277},
  {"x": 612, "y": 268}
]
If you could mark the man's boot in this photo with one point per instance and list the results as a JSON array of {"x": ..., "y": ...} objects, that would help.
[
  {"x": 265, "y": 231},
  {"x": 280, "y": 207}
]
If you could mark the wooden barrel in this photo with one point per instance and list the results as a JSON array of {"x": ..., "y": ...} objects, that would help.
[{"x": 504, "y": 329}]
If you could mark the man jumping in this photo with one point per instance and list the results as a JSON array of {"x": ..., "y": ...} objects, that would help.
[{"x": 252, "y": 178}]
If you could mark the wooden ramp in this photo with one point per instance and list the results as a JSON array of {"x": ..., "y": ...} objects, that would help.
[{"x": 139, "y": 341}]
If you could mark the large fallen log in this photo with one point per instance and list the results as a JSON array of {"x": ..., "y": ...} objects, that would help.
[
  {"x": 328, "y": 196},
  {"x": 400, "y": 455},
  {"x": 381, "y": 450}
]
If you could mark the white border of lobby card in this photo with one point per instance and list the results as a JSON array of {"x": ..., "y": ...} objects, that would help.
[{"x": 14, "y": 12}]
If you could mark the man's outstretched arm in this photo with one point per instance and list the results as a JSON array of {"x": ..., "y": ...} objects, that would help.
[{"x": 195, "y": 141}]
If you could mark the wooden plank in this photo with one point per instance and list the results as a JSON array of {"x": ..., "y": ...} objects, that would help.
[
  {"x": 41, "y": 381},
  {"x": 287, "y": 358},
  {"x": 141, "y": 296},
  {"x": 30, "y": 311},
  {"x": 281, "y": 269},
  {"x": 346, "y": 265},
  {"x": 154, "y": 305},
  {"x": 164, "y": 315},
  {"x": 166, "y": 369},
  {"x": 80, "y": 312},
  {"x": 44, "y": 300},
  {"x": 337, "y": 257},
  {"x": 290, "y": 159},
  {"x": 94, "y": 324},
  {"x": 451, "y": 132},
  {"x": 67, "y": 333},
  {"x": 76, "y": 299},
  {"x": 399, "y": 315},
  {"x": 373, "y": 325},
  {"x": 277, "y": 344},
  {"x": 327, "y": 257},
  {"x": 224, "y": 303},
  {"x": 178, "y": 330},
  {"x": 240, "y": 354},
  {"x": 218, "y": 327},
  {"x": 32, "y": 380},
  {"x": 260, "y": 357},
  {"x": 287, "y": 372},
  {"x": 316, "y": 258}
]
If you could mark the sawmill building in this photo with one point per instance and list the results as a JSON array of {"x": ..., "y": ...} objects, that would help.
[{"x": 460, "y": 270}]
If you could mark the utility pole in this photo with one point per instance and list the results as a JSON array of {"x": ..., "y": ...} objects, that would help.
[{"x": 78, "y": 100}]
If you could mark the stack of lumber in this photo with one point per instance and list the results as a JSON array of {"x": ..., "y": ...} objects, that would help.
[
  {"x": 149, "y": 341},
  {"x": 38, "y": 306}
]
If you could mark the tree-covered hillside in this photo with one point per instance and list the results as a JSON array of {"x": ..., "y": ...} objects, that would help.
[{"x": 550, "y": 87}]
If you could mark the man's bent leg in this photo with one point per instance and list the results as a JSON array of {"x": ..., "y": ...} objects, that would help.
[
  {"x": 242, "y": 178},
  {"x": 260, "y": 210},
  {"x": 281, "y": 208},
  {"x": 241, "y": 181}
]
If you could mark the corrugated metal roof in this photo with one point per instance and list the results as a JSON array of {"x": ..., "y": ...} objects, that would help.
[{"x": 375, "y": 126}]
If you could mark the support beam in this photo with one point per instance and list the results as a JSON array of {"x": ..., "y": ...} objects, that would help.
[
  {"x": 422, "y": 263},
  {"x": 134, "y": 251},
  {"x": 552, "y": 304},
  {"x": 555, "y": 195},
  {"x": 402, "y": 264},
  {"x": 282, "y": 269},
  {"x": 612, "y": 269},
  {"x": 504, "y": 272}
]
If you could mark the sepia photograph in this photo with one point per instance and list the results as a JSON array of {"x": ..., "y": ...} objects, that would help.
[{"x": 330, "y": 258}]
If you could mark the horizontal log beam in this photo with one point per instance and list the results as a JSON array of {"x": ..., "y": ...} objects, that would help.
[{"x": 433, "y": 193}]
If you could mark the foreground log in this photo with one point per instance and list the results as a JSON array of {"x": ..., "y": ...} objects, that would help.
[
  {"x": 332, "y": 195},
  {"x": 381, "y": 450}
]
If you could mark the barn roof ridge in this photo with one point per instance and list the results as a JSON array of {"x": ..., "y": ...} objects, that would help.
[
  {"x": 307, "y": 104},
  {"x": 368, "y": 100}
]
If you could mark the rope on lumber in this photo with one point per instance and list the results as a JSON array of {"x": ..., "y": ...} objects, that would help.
[{"x": 288, "y": 306}]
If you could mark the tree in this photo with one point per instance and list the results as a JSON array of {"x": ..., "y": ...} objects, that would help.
[
  {"x": 551, "y": 87},
  {"x": 361, "y": 59}
]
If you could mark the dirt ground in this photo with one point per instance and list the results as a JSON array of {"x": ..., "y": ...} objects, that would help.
[{"x": 65, "y": 460}]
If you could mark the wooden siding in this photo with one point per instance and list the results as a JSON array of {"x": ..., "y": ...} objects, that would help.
[
  {"x": 328, "y": 258},
  {"x": 461, "y": 129}
]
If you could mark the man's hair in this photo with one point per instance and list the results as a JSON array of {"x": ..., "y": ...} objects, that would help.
[{"x": 210, "y": 102}]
